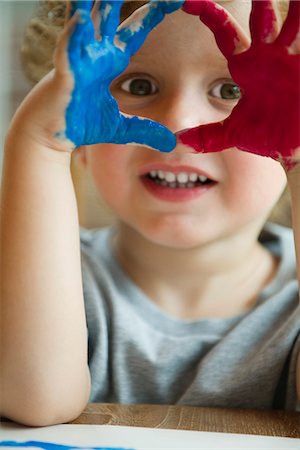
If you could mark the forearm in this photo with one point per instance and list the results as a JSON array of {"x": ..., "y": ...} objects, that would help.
[
  {"x": 43, "y": 330},
  {"x": 293, "y": 177}
]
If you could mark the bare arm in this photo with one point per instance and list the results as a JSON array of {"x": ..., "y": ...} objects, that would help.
[
  {"x": 43, "y": 331},
  {"x": 293, "y": 177}
]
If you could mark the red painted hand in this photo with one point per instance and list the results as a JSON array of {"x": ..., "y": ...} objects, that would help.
[{"x": 266, "y": 120}]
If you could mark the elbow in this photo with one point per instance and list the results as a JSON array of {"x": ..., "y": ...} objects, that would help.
[
  {"x": 37, "y": 415},
  {"x": 45, "y": 408}
]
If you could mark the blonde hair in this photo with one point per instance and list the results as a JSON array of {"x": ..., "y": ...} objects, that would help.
[
  {"x": 40, "y": 39},
  {"x": 38, "y": 46}
]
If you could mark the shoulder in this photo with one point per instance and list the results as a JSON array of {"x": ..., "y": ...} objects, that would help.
[
  {"x": 279, "y": 240},
  {"x": 95, "y": 244},
  {"x": 90, "y": 240},
  {"x": 277, "y": 236},
  {"x": 97, "y": 262},
  {"x": 281, "y": 295}
]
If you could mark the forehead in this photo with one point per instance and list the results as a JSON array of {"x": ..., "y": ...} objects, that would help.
[
  {"x": 238, "y": 8},
  {"x": 181, "y": 35}
]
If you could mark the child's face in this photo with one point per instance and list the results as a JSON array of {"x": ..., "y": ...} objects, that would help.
[{"x": 182, "y": 81}]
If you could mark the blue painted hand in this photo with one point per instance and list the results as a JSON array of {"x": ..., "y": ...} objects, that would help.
[{"x": 92, "y": 115}]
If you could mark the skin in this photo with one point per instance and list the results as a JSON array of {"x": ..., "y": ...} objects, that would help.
[{"x": 187, "y": 254}]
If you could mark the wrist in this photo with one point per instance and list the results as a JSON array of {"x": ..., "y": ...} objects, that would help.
[
  {"x": 40, "y": 118},
  {"x": 19, "y": 143}
]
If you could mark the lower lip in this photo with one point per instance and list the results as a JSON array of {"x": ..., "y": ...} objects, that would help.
[{"x": 174, "y": 194}]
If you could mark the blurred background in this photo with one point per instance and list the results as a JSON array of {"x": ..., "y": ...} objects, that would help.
[
  {"x": 14, "y": 14},
  {"x": 13, "y": 86}
]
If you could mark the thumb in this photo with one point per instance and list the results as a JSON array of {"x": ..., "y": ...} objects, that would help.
[
  {"x": 133, "y": 129},
  {"x": 212, "y": 137}
]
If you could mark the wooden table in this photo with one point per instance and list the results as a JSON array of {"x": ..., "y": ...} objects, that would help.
[{"x": 270, "y": 423}]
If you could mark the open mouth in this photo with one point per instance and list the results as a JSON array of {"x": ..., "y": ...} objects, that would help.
[{"x": 181, "y": 180}]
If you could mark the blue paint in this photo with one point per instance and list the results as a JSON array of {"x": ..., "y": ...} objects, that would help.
[
  {"x": 51, "y": 446},
  {"x": 92, "y": 115}
]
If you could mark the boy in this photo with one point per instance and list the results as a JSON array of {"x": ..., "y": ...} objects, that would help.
[{"x": 184, "y": 304}]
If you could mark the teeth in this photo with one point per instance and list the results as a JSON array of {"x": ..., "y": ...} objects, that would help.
[
  {"x": 170, "y": 177},
  {"x": 193, "y": 177},
  {"x": 183, "y": 179}
]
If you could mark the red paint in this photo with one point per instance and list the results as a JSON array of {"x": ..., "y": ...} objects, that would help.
[
  {"x": 262, "y": 21},
  {"x": 216, "y": 18},
  {"x": 177, "y": 195},
  {"x": 266, "y": 120},
  {"x": 290, "y": 28}
]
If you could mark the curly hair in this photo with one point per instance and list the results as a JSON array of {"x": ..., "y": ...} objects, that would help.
[{"x": 40, "y": 38}]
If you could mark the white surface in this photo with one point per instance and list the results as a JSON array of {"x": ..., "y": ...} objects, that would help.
[{"x": 142, "y": 438}]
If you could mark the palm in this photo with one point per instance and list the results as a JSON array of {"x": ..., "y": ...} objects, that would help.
[
  {"x": 98, "y": 62},
  {"x": 93, "y": 115},
  {"x": 266, "y": 119},
  {"x": 92, "y": 105}
]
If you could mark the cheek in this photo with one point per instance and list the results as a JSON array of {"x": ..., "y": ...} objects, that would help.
[
  {"x": 255, "y": 183},
  {"x": 113, "y": 170},
  {"x": 108, "y": 167}
]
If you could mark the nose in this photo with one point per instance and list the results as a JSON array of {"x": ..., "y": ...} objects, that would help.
[{"x": 185, "y": 108}]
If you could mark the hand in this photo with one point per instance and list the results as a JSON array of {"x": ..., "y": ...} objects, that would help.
[
  {"x": 266, "y": 120},
  {"x": 92, "y": 115}
]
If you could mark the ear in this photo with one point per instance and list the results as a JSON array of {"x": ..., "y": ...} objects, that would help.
[{"x": 81, "y": 155}]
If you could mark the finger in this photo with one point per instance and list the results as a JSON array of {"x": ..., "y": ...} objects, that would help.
[
  {"x": 73, "y": 6},
  {"x": 212, "y": 137},
  {"x": 229, "y": 36},
  {"x": 134, "y": 30},
  {"x": 108, "y": 16},
  {"x": 290, "y": 31},
  {"x": 83, "y": 33},
  {"x": 145, "y": 132},
  {"x": 263, "y": 21},
  {"x": 62, "y": 48}
]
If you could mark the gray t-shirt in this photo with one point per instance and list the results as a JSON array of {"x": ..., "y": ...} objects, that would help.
[{"x": 140, "y": 354}]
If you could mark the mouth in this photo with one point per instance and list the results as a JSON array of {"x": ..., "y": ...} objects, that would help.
[{"x": 176, "y": 184}]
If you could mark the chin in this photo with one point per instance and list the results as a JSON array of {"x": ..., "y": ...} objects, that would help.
[{"x": 175, "y": 234}]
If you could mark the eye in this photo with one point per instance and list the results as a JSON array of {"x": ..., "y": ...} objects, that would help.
[
  {"x": 139, "y": 86},
  {"x": 226, "y": 91}
]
